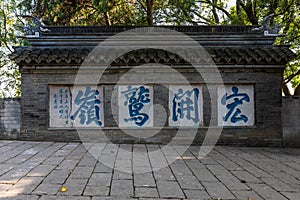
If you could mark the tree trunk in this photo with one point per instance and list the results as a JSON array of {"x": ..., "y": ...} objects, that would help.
[
  {"x": 238, "y": 11},
  {"x": 149, "y": 5},
  {"x": 272, "y": 9},
  {"x": 250, "y": 10}
]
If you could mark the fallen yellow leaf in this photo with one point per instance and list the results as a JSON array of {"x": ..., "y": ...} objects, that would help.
[{"x": 63, "y": 189}]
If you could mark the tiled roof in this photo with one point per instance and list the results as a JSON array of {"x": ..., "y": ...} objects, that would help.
[
  {"x": 276, "y": 55},
  {"x": 81, "y": 30},
  {"x": 228, "y": 45}
]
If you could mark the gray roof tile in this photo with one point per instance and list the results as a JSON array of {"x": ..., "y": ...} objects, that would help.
[{"x": 278, "y": 55}]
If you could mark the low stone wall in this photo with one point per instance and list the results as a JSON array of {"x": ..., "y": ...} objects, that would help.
[
  {"x": 291, "y": 121},
  {"x": 10, "y": 118},
  {"x": 10, "y": 113}
]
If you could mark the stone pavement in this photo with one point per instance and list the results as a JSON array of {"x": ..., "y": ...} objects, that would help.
[{"x": 38, "y": 170}]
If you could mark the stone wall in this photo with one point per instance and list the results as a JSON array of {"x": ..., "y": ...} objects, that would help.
[
  {"x": 10, "y": 113},
  {"x": 10, "y": 123},
  {"x": 291, "y": 121},
  {"x": 267, "y": 130}
]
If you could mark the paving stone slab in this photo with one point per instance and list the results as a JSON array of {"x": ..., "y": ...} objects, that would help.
[
  {"x": 258, "y": 173},
  {"x": 46, "y": 197},
  {"x": 96, "y": 191},
  {"x": 217, "y": 190},
  {"x": 57, "y": 176},
  {"x": 181, "y": 170},
  {"x": 267, "y": 192},
  {"x": 121, "y": 175},
  {"x": 200, "y": 171},
  {"x": 288, "y": 178},
  {"x": 37, "y": 170},
  {"x": 74, "y": 187},
  {"x": 88, "y": 161},
  {"x": 169, "y": 189},
  {"x": 122, "y": 188},
  {"x": 114, "y": 198},
  {"x": 19, "y": 197},
  {"x": 144, "y": 180},
  {"x": 47, "y": 189},
  {"x": 53, "y": 160},
  {"x": 197, "y": 194},
  {"x": 292, "y": 195},
  {"x": 246, "y": 176},
  {"x": 100, "y": 167},
  {"x": 19, "y": 159},
  {"x": 82, "y": 172},
  {"x": 100, "y": 179},
  {"x": 62, "y": 153},
  {"x": 123, "y": 164},
  {"x": 208, "y": 160},
  {"x": 232, "y": 182},
  {"x": 278, "y": 185},
  {"x": 41, "y": 170},
  {"x": 6, "y": 167},
  {"x": 189, "y": 182},
  {"x": 67, "y": 164},
  {"x": 146, "y": 192},
  {"x": 25, "y": 185},
  {"x": 217, "y": 169},
  {"x": 164, "y": 174},
  {"x": 70, "y": 146},
  {"x": 246, "y": 194}
]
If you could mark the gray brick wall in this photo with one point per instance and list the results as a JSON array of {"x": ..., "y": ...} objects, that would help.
[
  {"x": 268, "y": 104},
  {"x": 291, "y": 121},
  {"x": 10, "y": 117}
]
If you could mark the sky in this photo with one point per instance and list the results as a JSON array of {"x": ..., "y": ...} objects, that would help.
[{"x": 231, "y": 2}]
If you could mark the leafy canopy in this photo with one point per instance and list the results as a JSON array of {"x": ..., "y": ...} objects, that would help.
[{"x": 148, "y": 12}]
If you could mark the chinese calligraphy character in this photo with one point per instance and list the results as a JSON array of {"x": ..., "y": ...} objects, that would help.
[
  {"x": 185, "y": 105},
  {"x": 89, "y": 107},
  {"x": 66, "y": 107},
  {"x": 234, "y": 113},
  {"x": 61, "y": 111},
  {"x": 60, "y": 106},
  {"x": 135, "y": 100},
  {"x": 55, "y": 101}
]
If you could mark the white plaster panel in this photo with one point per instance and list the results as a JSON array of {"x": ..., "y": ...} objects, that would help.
[
  {"x": 135, "y": 105},
  {"x": 185, "y": 105},
  {"x": 236, "y": 105}
]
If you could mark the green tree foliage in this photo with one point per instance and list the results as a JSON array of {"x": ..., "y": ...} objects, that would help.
[
  {"x": 286, "y": 13},
  {"x": 158, "y": 12},
  {"x": 10, "y": 81}
]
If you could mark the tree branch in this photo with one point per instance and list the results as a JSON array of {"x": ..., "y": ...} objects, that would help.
[
  {"x": 289, "y": 78},
  {"x": 215, "y": 12},
  {"x": 5, "y": 31},
  {"x": 107, "y": 18},
  {"x": 144, "y": 8},
  {"x": 217, "y": 7},
  {"x": 188, "y": 17},
  {"x": 250, "y": 11},
  {"x": 208, "y": 22}
]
